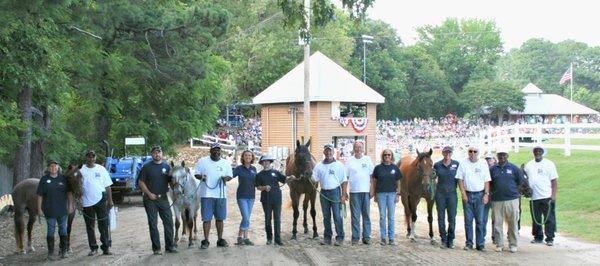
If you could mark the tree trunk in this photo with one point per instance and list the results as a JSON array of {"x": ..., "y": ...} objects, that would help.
[
  {"x": 103, "y": 124},
  {"x": 23, "y": 155},
  {"x": 500, "y": 118},
  {"x": 42, "y": 121}
]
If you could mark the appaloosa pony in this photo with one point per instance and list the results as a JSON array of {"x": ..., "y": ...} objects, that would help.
[
  {"x": 416, "y": 184},
  {"x": 301, "y": 164},
  {"x": 185, "y": 196},
  {"x": 25, "y": 200}
]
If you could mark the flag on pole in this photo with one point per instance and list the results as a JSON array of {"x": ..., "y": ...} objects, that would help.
[{"x": 568, "y": 75}]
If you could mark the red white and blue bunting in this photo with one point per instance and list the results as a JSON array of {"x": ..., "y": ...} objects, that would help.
[{"x": 358, "y": 124}]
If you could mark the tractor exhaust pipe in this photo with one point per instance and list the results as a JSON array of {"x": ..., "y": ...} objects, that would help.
[{"x": 106, "y": 147}]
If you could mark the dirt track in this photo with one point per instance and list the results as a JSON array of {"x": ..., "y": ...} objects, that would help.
[{"x": 131, "y": 245}]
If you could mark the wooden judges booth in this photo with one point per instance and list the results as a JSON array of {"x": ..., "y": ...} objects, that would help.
[{"x": 342, "y": 109}]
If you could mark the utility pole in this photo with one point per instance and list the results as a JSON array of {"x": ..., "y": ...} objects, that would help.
[
  {"x": 307, "y": 71},
  {"x": 365, "y": 39}
]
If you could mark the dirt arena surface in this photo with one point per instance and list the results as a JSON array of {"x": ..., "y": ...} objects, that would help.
[{"x": 131, "y": 244}]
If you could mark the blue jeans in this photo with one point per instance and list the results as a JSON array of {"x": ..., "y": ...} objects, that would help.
[
  {"x": 360, "y": 206},
  {"x": 246, "y": 210},
  {"x": 387, "y": 212},
  {"x": 446, "y": 203},
  {"x": 52, "y": 223},
  {"x": 486, "y": 215},
  {"x": 474, "y": 210},
  {"x": 330, "y": 204}
]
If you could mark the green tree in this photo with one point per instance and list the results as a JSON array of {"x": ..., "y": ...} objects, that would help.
[{"x": 493, "y": 97}]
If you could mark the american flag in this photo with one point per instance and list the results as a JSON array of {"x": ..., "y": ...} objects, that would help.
[{"x": 568, "y": 75}]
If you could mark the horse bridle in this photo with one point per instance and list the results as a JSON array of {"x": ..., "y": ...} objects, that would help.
[{"x": 420, "y": 170}]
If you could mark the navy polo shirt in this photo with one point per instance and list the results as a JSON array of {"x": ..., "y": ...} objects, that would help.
[
  {"x": 271, "y": 178},
  {"x": 54, "y": 195},
  {"x": 505, "y": 182},
  {"x": 246, "y": 176},
  {"x": 387, "y": 177},
  {"x": 446, "y": 182},
  {"x": 156, "y": 177}
]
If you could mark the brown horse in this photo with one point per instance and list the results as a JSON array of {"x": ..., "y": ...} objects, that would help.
[
  {"x": 414, "y": 186},
  {"x": 25, "y": 200},
  {"x": 75, "y": 184},
  {"x": 301, "y": 164}
]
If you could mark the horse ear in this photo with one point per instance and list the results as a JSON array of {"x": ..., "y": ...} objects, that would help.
[
  {"x": 183, "y": 163},
  {"x": 417, "y": 151},
  {"x": 308, "y": 142},
  {"x": 172, "y": 164},
  {"x": 430, "y": 152},
  {"x": 297, "y": 143}
]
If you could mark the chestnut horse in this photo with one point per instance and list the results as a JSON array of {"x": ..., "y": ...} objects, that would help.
[
  {"x": 301, "y": 164},
  {"x": 415, "y": 184},
  {"x": 25, "y": 200}
]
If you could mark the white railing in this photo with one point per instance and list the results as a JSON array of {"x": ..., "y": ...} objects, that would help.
[
  {"x": 206, "y": 140},
  {"x": 509, "y": 137}
]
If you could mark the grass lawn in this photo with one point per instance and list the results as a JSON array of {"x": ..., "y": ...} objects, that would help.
[{"x": 575, "y": 141}]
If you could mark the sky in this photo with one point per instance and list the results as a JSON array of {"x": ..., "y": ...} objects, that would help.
[{"x": 518, "y": 20}]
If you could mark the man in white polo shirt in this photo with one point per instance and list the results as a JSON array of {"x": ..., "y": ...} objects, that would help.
[
  {"x": 474, "y": 182},
  {"x": 96, "y": 201},
  {"x": 331, "y": 174},
  {"x": 359, "y": 169},
  {"x": 543, "y": 180}
]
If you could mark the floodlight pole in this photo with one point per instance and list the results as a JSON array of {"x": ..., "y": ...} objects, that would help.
[
  {"x": 365, "y": 39},
  {"x": 307, "y": 72}
]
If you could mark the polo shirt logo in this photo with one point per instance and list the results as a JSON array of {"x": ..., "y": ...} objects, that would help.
[
  {"x": 97, "y": 175},
  {"x": 164, "y": 171},
  {"x": 273, "y": 174},
  {"x": 331, "y": 172},
  {"x": 219, "y": 168},
  {"x": 48, "y": 181},
  {"x": 393, "y": 171},
  {"x": 508, "y": 171},
  {"x": 540, "y": 171},
  {"x": 477, "y": 170},
  {"x": 364, "y": 165}
]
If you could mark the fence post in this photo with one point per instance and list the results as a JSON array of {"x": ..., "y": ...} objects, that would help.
[
  {"x": 567, "y": 133},
  {"x": 515, "y": 133}
]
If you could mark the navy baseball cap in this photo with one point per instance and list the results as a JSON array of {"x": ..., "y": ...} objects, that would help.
[
  {"x": 328, "y": 146},
  {"x": 156, "y": 148},
  {"x": 215, "y": 145}
]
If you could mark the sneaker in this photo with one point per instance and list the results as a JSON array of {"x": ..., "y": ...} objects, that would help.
[
  {"x": 325, "y": 242},
  {"x": 354, "y": 242},
  {"x": 240, "y": 241},
  {"x": 391, "y": 242},
  {"x": 513, "y": 249},
  {"x": 383, "y": 242},
  {"x": 536, "y": 241},
  {"x": 451, "y": 246},
  {"x": 278, "y": 242},
  {"x": 157, "y": 252},
  {"x": 171, "y": 250},
  {"x": 247, "y": 242},
  {"x": 549, "y": 243},
  {"x": 269, "y": 241},
  {"x": 93, "y": 252},
  {"x": 468, "y": 248},
  {"x": 222, "y": 243},
  {"x": 367, "y": 241},
  {"x": 498, "y": 249},
  {"x": 107, "y": 252},
  {"x": 482, "y": 249},
  {"x": 338, "y": 243},
  {"x": 204, "y": 244}
]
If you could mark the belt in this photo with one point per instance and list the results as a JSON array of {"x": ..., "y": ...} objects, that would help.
[
  {"x": 475, "y": 192},
  {"x": 330, "y": 189}
]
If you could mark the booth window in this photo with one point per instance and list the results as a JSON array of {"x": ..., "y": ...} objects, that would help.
[{"x": 353, "y": 110}]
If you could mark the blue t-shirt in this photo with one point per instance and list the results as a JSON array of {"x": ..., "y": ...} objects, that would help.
[
  {"x": 505, "y": 182},
  {"x": 246, "y": 177},
  {"x": 271, "y": 178},
  {"x": 387, "y": 177},
  {"x": 446, "y": 183}
]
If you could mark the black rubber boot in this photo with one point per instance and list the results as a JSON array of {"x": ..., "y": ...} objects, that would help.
[
  {"x": 63, "y": 247},
  {"x": 50, "y": 242}
]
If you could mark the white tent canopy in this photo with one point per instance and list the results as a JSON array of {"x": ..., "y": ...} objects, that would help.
[
  {"x": 539, "y": 103},
  {"x": 329, "y": 82}
]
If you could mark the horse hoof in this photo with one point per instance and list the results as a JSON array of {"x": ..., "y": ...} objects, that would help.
[
  {"x": 191, "y": 244},
  {"x": 433, "y": 242},
  {"x": 31, "y": 249},
  {"x": 412, "y": 240},
  {"x": 294, "y": 237},
  {"x": 305, "y": 230},
  {"x": 315, "y": 235}
]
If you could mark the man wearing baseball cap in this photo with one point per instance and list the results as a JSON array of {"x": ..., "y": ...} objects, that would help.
[
  {"x": 445, "y": 196},
  {"x": 154, "y": 180},
  {"x": 96, "y": 201},
  {"x": 331, "y": 174},
  {"x": 504, "y": 190},
  {"x": 543, "y": 180},
  {"x": 214, "y": 172}
]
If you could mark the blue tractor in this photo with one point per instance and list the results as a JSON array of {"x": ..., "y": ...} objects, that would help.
[{"x": 124, "y": 171}]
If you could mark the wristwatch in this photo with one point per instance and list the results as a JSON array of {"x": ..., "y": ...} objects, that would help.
[{"x": 486, "y": 193}]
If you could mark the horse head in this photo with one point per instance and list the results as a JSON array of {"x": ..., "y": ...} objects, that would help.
[
  {"x": 180, "y": 176},
  {"x": 74, "y": 181},
  {"x": 424, "y": 166},
  {"x": 303, "y": 160}
]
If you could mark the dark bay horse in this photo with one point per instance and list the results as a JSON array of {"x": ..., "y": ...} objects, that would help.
[
  {"x": 25, "y": 200},
  {"x": 415, "y": 185},
  {"x": 301, "y": 164}
]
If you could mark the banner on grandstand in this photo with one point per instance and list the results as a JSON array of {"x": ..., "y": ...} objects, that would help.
[{"x": 358, "y": 124}]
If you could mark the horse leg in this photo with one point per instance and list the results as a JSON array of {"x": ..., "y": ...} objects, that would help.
[
  {"x": 183, "y": 228},
  {"x": 194, "y": 225},
  {"x": 190, "y": 226},
  {"x": 305, "y": 209},
  {"x": 407, "y": 214},
  {"x": 413, "y": 220},
  {"x": 19, "y": 230},
  {"x": 295, "y": 202},
  {"x": 30, "y": 223},
  {"x": 177, "y": 224},
  {"x": 313, "y": 213},
  {"x": 70, "y": 219},
  {"x": 430, "y": 219}
]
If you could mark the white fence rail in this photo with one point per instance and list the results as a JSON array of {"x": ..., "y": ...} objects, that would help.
[
  {"x": 206, "y": 140},
  {"x": 510, "y": 137}
]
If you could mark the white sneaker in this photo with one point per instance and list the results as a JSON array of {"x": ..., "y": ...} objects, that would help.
[
  {"x": 498, "y": 249},
  {"x": 513, "y": 249}
]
